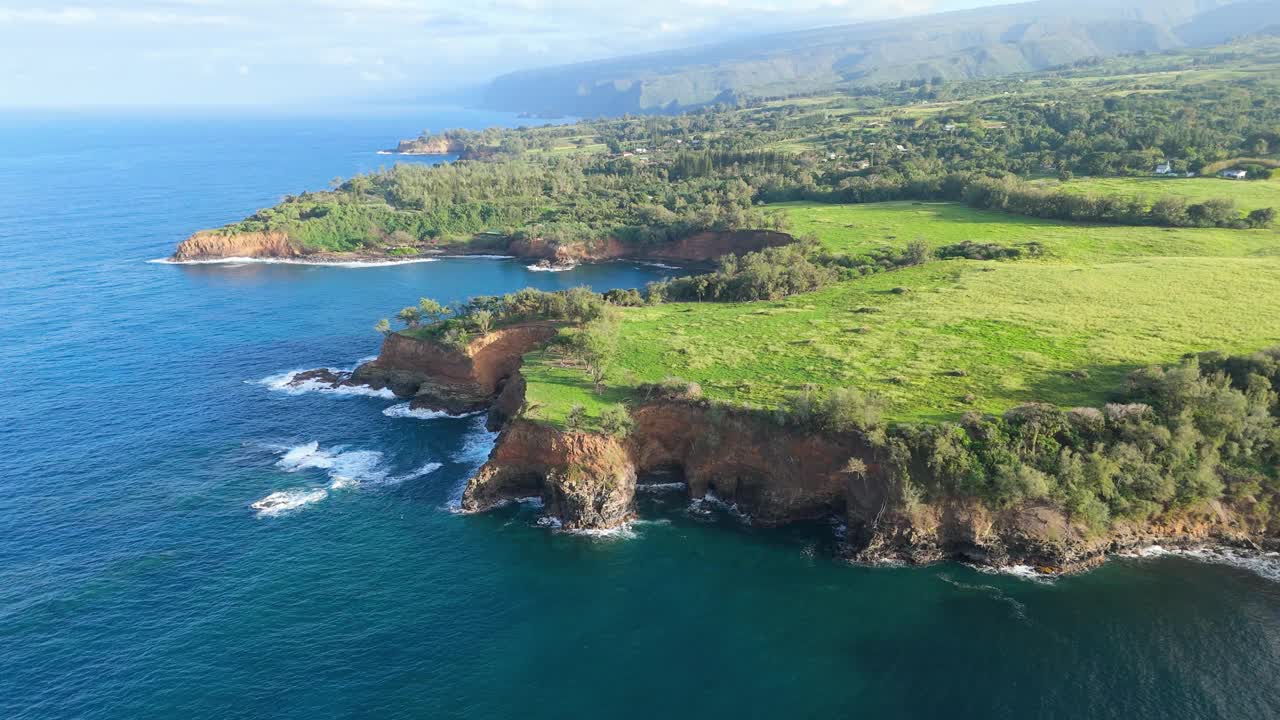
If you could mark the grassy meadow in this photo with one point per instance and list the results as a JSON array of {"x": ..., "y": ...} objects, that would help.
[
  {"x": 1248, "y": 194},
  {"x": 951, "y": 336}
]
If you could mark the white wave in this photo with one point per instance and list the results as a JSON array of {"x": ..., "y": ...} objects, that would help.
[
  {"x": 704, "y": 506},
  {"x": 347, "y": 468},
  {"x": 481, "y": 256},
  {"x": 1265, "y": 565},
  {"x": 296, "y": 458},
  {"x": 420, "y": 472},
  {"x": 1021, "y": 572},
  {"x": 660, "y": 266},
  {"x": 661, "y": 487},
  {"x": 387, "y": 152},
  {"x": 626, "y": 531},
  {"x": 403, "y": 410},
  {"x": 551, "y": 268},
  {"x": 237, "y": 260},
  {"x": 285, "y": 382},
  {"x": 476, "y": 446},
  {"x": 286, "y": 500}
]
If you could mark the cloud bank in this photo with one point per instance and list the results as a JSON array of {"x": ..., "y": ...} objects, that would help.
[{"x": 121, "y": 52}]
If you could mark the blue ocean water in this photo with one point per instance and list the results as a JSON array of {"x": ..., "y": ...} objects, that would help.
[{"x": 138, "y": 424}]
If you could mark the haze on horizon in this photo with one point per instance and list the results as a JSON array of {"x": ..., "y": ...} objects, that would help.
[{"x": 317, "y": 52}]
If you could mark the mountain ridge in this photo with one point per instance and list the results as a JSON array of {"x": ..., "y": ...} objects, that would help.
[{"x": 953, "y": 46}]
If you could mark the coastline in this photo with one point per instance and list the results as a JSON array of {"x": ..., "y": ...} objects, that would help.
[{"x": 586, "y": 483}]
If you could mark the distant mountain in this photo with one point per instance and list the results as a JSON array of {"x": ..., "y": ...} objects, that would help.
[{"x": 957, "y": 45}]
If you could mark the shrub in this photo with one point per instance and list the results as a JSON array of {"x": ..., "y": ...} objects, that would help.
[
  {"x": 575, "y": 418},
  {"x": 617, "y": 421}
]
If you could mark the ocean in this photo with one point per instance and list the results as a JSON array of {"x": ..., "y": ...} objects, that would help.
[{"x": 141, "y": 415}]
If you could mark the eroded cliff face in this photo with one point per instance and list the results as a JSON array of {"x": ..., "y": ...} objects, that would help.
[
  {"x": 586, "y": 481},
  {"x": 774, "y": 476},
  {"x": 210, "y": 245},
  {"x": 439, "y": 377},
  {"x": 430, "y": 146},
  {"x": 777, "y": 475}
]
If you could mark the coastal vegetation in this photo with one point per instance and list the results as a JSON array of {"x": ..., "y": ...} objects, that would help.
[{"x": 1079, "y": 143}]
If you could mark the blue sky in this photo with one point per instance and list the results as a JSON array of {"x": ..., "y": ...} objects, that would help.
[{"x": 219, "y": 52}]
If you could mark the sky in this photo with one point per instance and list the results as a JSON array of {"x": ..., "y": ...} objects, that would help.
[{"x": 273, "y": 52}]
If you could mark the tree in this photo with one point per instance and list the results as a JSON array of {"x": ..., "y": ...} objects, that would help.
[
  {"x": 431, "y": 311},
  {"x": 1262, "y": 217},
  {"x": 596, "y": 346},
  {"x": 383, "y": 327},
  {"x": 483, "y": 320},
  {"x": 409, "y": 316}
]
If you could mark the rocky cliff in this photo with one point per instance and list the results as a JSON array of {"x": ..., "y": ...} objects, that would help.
[
  {"x": 776, "y": 475},
  {"x": 213, "y": 245},
  {"x": 444, "y": 378},
  {"x": 435, "y": 145}
]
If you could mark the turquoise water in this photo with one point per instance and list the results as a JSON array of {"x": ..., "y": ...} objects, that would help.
[{"x": 136, "y": 582}]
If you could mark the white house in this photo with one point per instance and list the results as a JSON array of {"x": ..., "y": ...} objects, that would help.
[
  {"x": 1234, "y": 174},
  {"x": 1164, "y": 168}
]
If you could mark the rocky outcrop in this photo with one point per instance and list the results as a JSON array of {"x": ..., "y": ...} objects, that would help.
[
  {"x": 434, "y": 145},
  {"x": 214, "y": 245},
  {"x": 586, "y": 481},
  {"x": 441, "y": 377}
]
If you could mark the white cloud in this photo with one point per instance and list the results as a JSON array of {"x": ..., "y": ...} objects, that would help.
[{"x": 299, "y": 49}]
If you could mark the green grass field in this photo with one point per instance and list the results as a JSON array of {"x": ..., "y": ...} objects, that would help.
[
  {"x": 858, "y": 228},
  {"x": 1249, "y": 194},
  {"x": 968, "y": 335}
]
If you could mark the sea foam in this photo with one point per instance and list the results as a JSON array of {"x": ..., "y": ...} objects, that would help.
[
  {"x": 1265, "y": 565},
  {"x": 346, "y": 469},
  {"x": 403, "y": 410},
  {"x": 235, "y": 261},
  {"x": 285, "y": 382},
  {"x": 551, "y": 268}
]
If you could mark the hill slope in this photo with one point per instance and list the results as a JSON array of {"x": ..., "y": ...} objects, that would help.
[{"x": 952, "y": 46}]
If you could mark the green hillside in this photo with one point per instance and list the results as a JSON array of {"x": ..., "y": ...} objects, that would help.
[{"x": 948, "y": 47}]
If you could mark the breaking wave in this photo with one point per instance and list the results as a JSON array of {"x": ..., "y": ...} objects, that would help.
[
  {"x": 551, "y": 268},
  {"x": 1264, "y": 565},
  {"x": 286, "y": 382},
  {"x": 286, "y": 500},
  {"x": 346, "y": 469},
  {"x": 661, "y": 487},
  {"x": 705, "y": 508},
  {"x": 403, "y": 410}
]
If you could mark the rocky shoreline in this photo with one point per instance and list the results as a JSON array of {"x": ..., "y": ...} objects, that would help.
[
  {"x": 215, "y": 246},
  {"x": 770, "y": 474}
]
